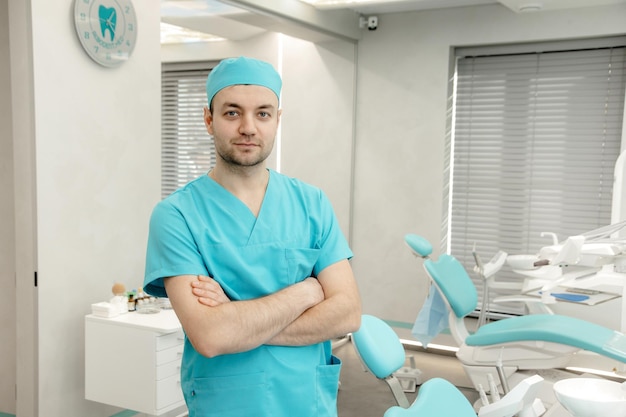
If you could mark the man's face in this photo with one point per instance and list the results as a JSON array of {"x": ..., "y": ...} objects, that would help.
[{"x": 243, "y": 124}]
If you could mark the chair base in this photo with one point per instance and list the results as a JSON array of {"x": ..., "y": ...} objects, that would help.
[{"x": 477, "y": 375}]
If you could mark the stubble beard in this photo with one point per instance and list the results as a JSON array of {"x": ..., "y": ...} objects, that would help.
[{"x": 235, "y": 160}]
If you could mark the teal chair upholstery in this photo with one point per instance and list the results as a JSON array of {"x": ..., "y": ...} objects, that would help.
[{"x": 437, "y": 398}]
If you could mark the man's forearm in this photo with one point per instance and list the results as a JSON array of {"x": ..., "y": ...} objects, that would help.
[
  {"x": 332, "y": 318},
  {"x": 240, "y": 325},
  {"x": 337, "y": 315}
]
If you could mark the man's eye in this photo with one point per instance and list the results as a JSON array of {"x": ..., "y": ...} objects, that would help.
[
  {"x": 264, "y": 114},
  {"x": 231, "y": 113}
]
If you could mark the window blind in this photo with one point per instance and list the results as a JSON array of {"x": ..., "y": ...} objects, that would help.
[
  {"x": 532, "y": 146},
  {"x": 187, "y": 150}
]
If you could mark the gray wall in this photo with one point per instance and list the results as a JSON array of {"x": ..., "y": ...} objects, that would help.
[{"x": 7, "y": 247}]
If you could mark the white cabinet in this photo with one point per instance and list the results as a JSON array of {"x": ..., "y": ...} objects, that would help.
[{"x": 133, "y": 361}]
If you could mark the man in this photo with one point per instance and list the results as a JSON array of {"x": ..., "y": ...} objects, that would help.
[{"x": 254, "y": 264}]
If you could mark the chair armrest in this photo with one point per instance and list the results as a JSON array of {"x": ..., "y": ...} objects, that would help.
[{"x": 535, "y": 305}]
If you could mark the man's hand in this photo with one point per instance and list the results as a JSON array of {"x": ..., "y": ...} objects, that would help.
[{"x": 208, "y": 291}]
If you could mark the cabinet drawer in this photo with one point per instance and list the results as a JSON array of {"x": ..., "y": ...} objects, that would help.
[
  {"x": 169, "y": 355},
  {"x": 168, "y": 340},
  {"x": 168, "y": 392},
  {"x": 168, "y": 369}
]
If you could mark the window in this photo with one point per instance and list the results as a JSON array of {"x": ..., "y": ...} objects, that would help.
[
  {"x": 535, "y": 133},
  {"x": 186, "y": 148}
]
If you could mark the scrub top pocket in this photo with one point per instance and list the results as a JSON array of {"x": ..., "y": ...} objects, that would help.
[
  {"x": 327, "y": 387},
  {"x": 300, "y": 263},
  {"x": 233, "y": 396}
]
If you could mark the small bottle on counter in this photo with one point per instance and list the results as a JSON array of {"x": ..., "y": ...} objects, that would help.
[{"x": 131, "y": 301}]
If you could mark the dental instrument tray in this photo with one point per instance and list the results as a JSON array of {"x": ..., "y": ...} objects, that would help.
[{"x": 574, "y": 295}]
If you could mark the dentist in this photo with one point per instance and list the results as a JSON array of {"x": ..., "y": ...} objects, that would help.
[{"x": 254, "y": 264}]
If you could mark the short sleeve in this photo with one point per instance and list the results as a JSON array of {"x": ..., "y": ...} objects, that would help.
[
  {"x": 332, "y": 242},
  {"x": 171, "y": 249}
]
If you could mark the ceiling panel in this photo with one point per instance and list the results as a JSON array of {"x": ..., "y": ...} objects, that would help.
[{"x": 225, "y": 20}]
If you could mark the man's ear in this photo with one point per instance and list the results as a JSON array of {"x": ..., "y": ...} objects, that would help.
[{"x": 208, "y": 120}]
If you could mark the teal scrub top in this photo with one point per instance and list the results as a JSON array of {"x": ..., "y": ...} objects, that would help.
[{"x": 202, "y": 229}]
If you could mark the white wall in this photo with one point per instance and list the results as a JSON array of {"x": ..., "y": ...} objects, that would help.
[
  {"x": 98, "y": 164},
  {"x": 318, "y": 122},
  {"x": 403, "y": 74}
]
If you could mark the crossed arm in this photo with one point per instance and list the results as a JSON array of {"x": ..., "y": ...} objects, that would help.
[{"x": 311, "y": 311}]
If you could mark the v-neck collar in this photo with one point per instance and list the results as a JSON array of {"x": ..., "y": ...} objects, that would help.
[{"x": 238, "y": 209}]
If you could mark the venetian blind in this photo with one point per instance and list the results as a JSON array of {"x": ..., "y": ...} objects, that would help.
[
  {"x": 186, "y": 148},
  {"x": 533, "y": 143}
]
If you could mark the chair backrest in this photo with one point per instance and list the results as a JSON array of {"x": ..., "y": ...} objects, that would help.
[
  {"x": 378, "y": 347},
  {"x": 382, "y": 353},
  {"x": 436, "y": 398},
  {"x": 454, "y": 284}
]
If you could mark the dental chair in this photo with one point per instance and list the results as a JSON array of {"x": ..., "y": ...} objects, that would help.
[
  {"x": 382, "y": 354},
  {"x": 501, "y": 348}
]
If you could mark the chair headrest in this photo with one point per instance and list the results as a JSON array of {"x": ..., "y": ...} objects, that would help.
[{"x": 419, "y": 245}]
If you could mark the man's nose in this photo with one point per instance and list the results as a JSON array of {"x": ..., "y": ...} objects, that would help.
[{"x": 248, "y": 125}]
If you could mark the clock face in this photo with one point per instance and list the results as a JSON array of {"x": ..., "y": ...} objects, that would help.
[{"x": 107, "y": 29}]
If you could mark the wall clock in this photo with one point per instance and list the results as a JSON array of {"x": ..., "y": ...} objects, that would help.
[{"x": 107, "y": 29}]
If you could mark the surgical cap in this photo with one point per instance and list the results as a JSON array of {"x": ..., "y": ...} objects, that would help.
[{"x": 242, "y": 71}]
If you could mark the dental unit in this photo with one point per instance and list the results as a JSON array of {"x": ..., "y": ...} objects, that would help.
[{"x": 507, "y": 350}]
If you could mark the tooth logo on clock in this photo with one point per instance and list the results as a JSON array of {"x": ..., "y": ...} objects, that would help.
[
  {"x": 108, "y": 20},
  {"x": 107, "y": 29}
]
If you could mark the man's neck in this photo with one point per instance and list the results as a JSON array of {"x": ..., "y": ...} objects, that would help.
[{"x": 247, "y": 184}]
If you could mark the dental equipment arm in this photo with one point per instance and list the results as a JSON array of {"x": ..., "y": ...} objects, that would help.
[{"x": 486, "y": 272}]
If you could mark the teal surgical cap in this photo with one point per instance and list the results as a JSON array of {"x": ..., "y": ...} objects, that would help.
[{"x": 242, "y": 70}]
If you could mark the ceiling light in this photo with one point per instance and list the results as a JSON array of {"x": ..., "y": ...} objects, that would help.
[
  {"x": 340, "y": 4},
  {"x": 171, "y": 34}
]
